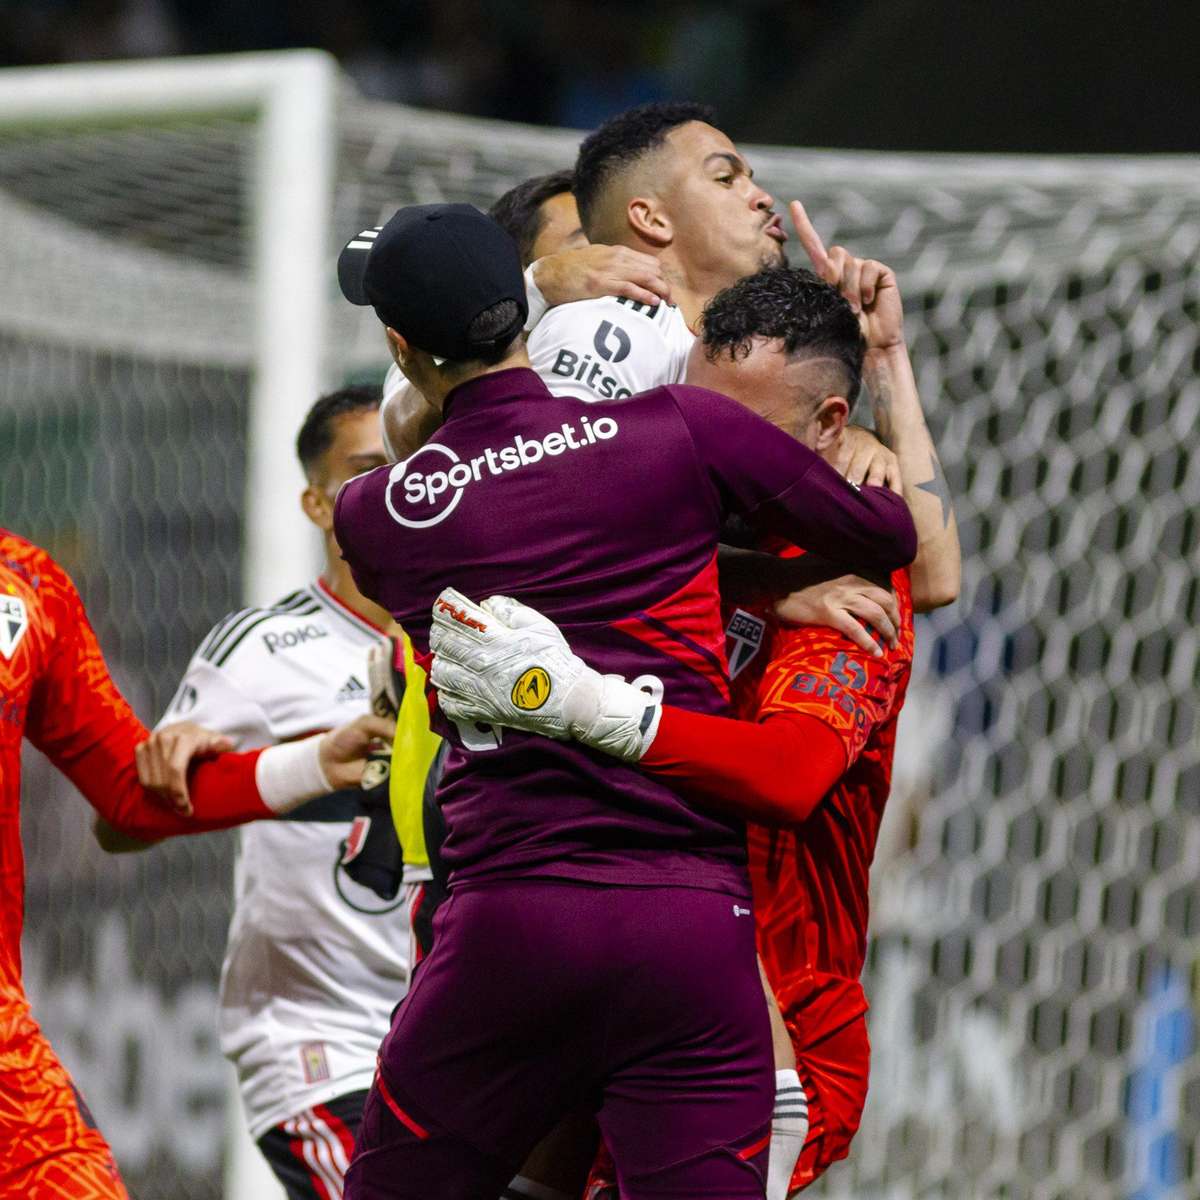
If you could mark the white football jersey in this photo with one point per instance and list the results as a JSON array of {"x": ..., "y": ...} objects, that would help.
[
  {"x": 314, "y": 963},
  {"x": 610, "y": 348},
  {"x": 594, "y": 349}
]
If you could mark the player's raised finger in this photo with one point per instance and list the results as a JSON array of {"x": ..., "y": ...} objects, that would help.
[
  {"x": 810, "y": 239},
  {"x": 851, "y": 276}
]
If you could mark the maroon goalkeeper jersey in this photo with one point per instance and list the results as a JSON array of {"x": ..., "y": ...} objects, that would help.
[{"x": 606, "y": 519}]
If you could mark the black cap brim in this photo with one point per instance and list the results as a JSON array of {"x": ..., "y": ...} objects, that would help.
[{"x": 352, "y": 266}]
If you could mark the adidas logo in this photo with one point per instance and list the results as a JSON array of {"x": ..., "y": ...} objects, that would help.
[{"x": 352, "y": 689}]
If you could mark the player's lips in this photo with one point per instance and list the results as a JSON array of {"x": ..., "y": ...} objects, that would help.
[{"x": 774, "y": 229}]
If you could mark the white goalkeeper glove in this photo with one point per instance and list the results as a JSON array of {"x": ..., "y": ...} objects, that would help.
[{"x": 503, "y": 663}]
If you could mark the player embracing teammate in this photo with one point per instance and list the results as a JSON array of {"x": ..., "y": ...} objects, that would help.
[{"x": 788, "y": 345}]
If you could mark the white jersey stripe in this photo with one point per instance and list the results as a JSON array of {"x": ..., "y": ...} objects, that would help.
[
  {"x": 337, "y": 1152},
  {"x": 317, "y": 1156}
]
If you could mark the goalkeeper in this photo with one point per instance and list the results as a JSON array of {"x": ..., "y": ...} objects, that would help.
[
  {"x": 519, "y": 1014},
  {"x": 811, "y": 761}
]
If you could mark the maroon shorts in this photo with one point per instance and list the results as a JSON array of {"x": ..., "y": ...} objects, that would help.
[{"x": 541, "y": 998}]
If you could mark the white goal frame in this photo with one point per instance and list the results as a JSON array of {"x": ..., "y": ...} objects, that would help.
[{"x": 293, "y": 96}]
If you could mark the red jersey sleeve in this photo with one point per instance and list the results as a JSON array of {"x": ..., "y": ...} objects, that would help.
[{"x": 83, "y": 724}]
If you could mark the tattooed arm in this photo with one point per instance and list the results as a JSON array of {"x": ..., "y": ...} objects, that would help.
[
  {"x": 873, "y": 294},
  {"x": 900, "y": 424}
]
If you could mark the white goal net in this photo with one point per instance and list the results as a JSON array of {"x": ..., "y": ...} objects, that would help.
[{"x": 1033, "y": 967}]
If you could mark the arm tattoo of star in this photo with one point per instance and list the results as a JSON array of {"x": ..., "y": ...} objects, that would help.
[{"x": 936, "y": 486}]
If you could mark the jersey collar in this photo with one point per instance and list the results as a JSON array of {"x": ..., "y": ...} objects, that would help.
[
  {"x": 496, "y": 388},
  {"x": 321, "y": 590}
]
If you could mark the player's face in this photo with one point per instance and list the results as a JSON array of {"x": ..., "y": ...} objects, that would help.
[
  {"x": 561, "y": 229},
  {"x": 357, "y": 446},
  {"x": 723, "y": 223},
  {"x": 767, "y": 381}
]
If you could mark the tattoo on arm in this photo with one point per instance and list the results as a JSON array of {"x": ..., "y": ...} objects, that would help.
[{"x": 936, "y": 485}]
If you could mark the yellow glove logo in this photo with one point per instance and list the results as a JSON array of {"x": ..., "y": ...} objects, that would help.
[{"x": 532, "y": 690}]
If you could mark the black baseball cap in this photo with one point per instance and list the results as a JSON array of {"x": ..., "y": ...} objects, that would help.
[{"x": 430, "y": 271}]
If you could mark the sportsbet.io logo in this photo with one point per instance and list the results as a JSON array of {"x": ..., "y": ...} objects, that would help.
[
  {"x": 532, "y": 690},
  {"x": 426, "y": 487}
]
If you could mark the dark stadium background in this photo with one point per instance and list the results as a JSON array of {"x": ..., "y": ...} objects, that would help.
[{"x": 1026, "y": 75}]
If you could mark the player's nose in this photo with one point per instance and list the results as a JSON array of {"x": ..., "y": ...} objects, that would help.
[{"x": 761, "y": 200}]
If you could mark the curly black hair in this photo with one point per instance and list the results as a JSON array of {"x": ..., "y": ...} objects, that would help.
[
  {"x": 316, "y": 434},
  {"x": 623, "y": 139},
  {"x": 811, "y": 317},
  {"x": 519, "y": 210}
]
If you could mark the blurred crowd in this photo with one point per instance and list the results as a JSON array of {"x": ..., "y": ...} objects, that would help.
[
  {"x": 1074, "y": 75},
  {"x": 560, "y": 62}
]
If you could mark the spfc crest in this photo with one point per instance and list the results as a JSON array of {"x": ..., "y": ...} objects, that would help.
[
  {"x": 743, "y": 640},
  {"x": 14, "y": 620}
]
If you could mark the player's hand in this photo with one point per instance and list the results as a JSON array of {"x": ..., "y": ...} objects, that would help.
[
  {"x": 504, "y": 663},
  {"x": 164, "y": 757},
  {"x": 589, "y": 272},
  {"x": 868, "y": 285},
  {"x": 863, "y": 459},
  {"x": 343, "y": 752},
  {"x": 844, "y": 604}
]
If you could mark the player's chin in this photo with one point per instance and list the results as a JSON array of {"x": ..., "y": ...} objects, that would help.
[{"x": 773, "y": 255}]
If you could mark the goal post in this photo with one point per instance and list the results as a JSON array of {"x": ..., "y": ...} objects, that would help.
[{"x": 291, "y": 98}]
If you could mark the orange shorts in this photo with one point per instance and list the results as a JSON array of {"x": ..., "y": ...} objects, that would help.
[
  {"x": 834, "y": 1073},
  {"x": 53, "y": 1148}
]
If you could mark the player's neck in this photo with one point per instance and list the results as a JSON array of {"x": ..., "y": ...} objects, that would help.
[
  {"x": 340, "y": 582},
  {"x": 689, "y": 293}
]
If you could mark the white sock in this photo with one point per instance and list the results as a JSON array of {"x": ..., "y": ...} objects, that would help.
[
  {"x": 789, "y": 1128},
  {"x": 528, "y": 1189}
]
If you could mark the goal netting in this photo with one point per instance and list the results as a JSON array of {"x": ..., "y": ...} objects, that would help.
[{"x": 1033, "y": 966}]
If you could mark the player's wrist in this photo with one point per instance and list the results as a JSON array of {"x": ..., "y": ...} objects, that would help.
[
  {"x": 291, "y": 774},
  {"x": 609, "y": 714}
]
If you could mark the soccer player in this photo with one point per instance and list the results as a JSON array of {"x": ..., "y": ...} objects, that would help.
[
  {"x": 56, "y": 690},
  {"x": 539, "y": 214},
  {"x": 816, "y": 764},
  {"x": 594, "y": 949},
  {"x": 314, "y": 964}
]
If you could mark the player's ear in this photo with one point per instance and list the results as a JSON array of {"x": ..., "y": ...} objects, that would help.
[
  {"x": 318, "y": 508},
  {"x": 831, "y": 416},
  {"x": 649, "y": 221},
  {"x": 398, "y": 345}
]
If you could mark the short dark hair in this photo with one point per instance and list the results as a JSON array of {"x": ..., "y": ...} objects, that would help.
[
  {"x": 491, "y": 334},
  {"x": 316, "y": 434},
  {"x": 519, "y": 210},
  {"x": 810, "y": 316},
  {"x": 622, "y": 140}
]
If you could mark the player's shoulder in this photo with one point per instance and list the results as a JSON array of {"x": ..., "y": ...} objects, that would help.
[
  {"x": 254, "y": 631},
  {"x": 616, "y": 331},
  {"x": 32, "y": 564}
]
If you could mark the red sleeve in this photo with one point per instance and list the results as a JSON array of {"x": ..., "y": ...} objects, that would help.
[
  {"x": 83, "y": 724},
  {"x": 774, "y": 773}
]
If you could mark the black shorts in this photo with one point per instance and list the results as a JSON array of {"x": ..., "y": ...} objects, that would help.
[{"x": 310, "y": 1152}]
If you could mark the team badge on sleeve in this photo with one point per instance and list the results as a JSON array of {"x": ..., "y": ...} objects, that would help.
[
  {"x": 743, "y": 640},
  {"x": 14, "y": 621}
]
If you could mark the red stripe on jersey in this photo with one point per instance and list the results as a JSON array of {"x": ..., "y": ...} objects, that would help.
[
  {"x": 687, "y": 626},
  {"x": 339, "y": 1127},
  {"x": 296, "y": 1146},
  {"x": 755, "y": 1148},
  {"x": 397, "y": 1111}
]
